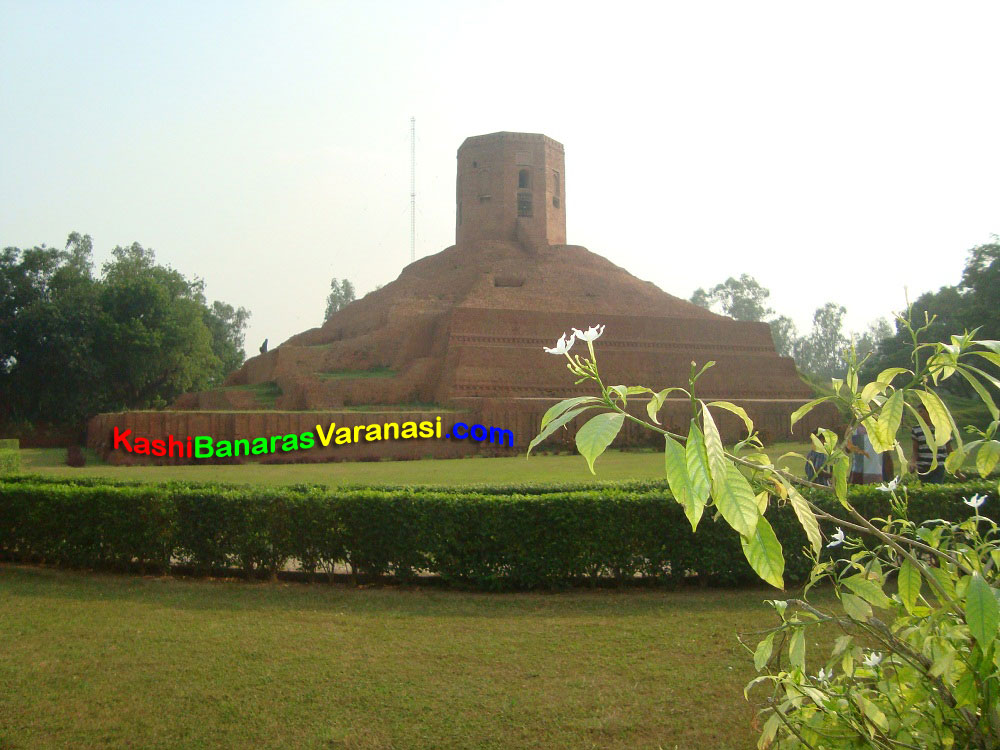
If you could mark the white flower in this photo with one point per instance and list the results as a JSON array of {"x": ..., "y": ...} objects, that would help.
[
  {"x": 838, "y": 538},
  {"x": 889, "y": 487},
  {"x": 562, "y": 345},
  {"x": 824, "y": 676},
  {"x": 975, "y": 501},
  {"x": 872, "y": 660},
  {"x": 590, "y": 334}
]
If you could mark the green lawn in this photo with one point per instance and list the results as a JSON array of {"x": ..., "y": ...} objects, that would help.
[
  {"x": 105, "y": 661},
  {"x": 613, "y": 466}
]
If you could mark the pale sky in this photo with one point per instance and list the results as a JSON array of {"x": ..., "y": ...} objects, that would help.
[{"x": 836, "y": 152}]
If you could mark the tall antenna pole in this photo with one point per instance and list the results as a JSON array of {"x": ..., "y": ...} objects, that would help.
[{"x": 413, "y": 189}]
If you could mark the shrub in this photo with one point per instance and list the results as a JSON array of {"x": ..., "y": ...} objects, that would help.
[
  {"x": 938, "y": 685},
  {"x": 488, "y": 538},
  {"x": 9, "y": 444}
]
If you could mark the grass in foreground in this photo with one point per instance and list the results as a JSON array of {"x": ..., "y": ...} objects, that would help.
[
  {"x": 103, "y": 661},
  {"x": 613, "y": 466}
]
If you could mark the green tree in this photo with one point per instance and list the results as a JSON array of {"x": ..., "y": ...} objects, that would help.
[
  {"x": 72, "y": 344},
  {"x": 152, "y": 335},
  {"x": 824, "y": 351},
  {"x": 48, "y": 313},
  {"x": 227, "y": 325},
  {"x": 868, "y": 342},
  {"x": 741, "y": 299},
  {"x": 973, "y": 303},
  {"x": 341, "y": 295},
  {"x": 785, "y": 335},
  {"x": 980, "y": 289}
]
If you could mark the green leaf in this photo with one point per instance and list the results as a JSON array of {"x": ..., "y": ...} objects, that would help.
[
  {"x": 797, "y": 649},
  {"x": 806, "y": 517},
  {"x": 840, "y": 470},
  {"x": 887, "y": 375},
  {"x": 909, "y": 585},
  {"x": 981, "y": 390},
  {"x": 594, "y": 437},
  {"x": 966, "y": 693},
  {"x": 739, "y": 411},
  {"x": 840, "y": 645},
  {"x": 944, "y": 660},
  {"x": 938, "y": 413},
  {"x": 562, "y": 407},
  {"x": 943, "y": 578},
  {"x": 713, "y": 447},
  {"x": 680, "y": 483},
  {"x": 955, "y": 460},
  {"x": 868, "y": 590},
  {"x": 874, "y": 388},
  {"x": 730, "y": 489},
  {"x": 928, "y": 436},
  {"x": 621, "y": 390},
  {"x": 555, "y": 424},
  {"x": 770, "y": 730},
  {"x": 993, "y": 346},
  {"x": 763, "y": 653},
  {"x": 943, "y": 365},
  {"x": 987, "y": 457},
  {"x": 891, "y": 416},
  {"x": 856, "y": 607},
  {"x": 872, "y": 712},
  {"x": 763, "y": 551},
  {"x": 734, "y": 497},
  {"x": 697, "y": 466},
  {"x": 655, "y": 402},
  {"x": 878, "y": 434},
  {"x": 806, "y": 408},
  {"x": 817, "y": 443},
  {"x": 992, "y": 357},
  {"x": 982, "y": 612}
]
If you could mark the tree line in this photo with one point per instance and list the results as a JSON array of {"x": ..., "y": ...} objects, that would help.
[
  {"x": 822, "y": 352},
  {"x": 135, "y": 336}
]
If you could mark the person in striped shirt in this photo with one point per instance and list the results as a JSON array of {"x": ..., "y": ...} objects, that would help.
[{"x": 922, "y": 457}]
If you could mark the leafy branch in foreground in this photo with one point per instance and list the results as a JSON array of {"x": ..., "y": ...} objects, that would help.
[{"x": 932, "y": 673}]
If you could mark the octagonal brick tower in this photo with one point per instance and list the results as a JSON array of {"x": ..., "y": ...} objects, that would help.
[{"x": 511, "y": 187}]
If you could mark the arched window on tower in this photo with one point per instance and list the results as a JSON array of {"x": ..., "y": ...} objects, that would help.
[{"x": 524, "y": 180}]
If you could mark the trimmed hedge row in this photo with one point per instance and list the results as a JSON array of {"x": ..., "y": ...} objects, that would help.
[
  {"x": 484, "y": 489},
  {"x": 480, "y": 539}
]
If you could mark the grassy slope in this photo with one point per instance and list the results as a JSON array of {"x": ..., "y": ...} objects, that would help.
[
  {"x": 104, "y": 661},
  {"x": 614, "y": 465}
]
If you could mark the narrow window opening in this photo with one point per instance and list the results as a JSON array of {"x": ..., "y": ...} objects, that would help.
[
  {"x": 524, "y": 204},
  {"x": 524, "y": 180},
  {"x": 556, "y": 189}
]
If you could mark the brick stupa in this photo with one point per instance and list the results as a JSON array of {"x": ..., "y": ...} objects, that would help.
[{"x": 460, "y": 333}]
